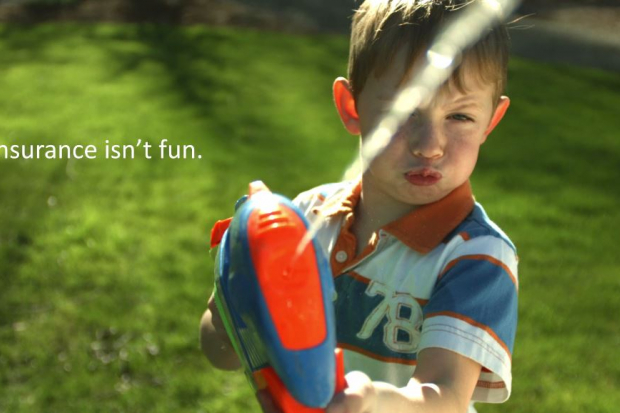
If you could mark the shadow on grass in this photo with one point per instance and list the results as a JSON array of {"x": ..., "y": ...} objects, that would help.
[
  {"x": 235, "y": 80},
  {"x": 189, "y": 58},
  {"x": 209, "y": 71},
  {"x": 194, "y": 63},
  {"x": 26, "y": 44},
  {"x": 22, "y": 221},
  {"x": 330, "y": 15},
  {"x": 27, "y": 187}
]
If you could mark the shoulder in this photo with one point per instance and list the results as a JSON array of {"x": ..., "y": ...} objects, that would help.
[
  {"x": 317, "y": 196},
  {"x": 477, "y": 244},
  {"x": 478, "y": 226}
]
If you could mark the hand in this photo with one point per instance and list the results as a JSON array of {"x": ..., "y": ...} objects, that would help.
[
  {"x": 214, "y": 341},
  {"x": 218, "y": 324},
  {"x": 359, "y": 397}
]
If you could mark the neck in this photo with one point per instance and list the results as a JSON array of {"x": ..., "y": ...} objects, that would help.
[{"x": 376, "y": 210}]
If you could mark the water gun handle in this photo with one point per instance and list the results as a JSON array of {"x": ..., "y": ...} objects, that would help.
[{"x": 268, "y": 380}]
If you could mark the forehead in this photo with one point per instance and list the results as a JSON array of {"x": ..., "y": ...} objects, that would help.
[{"x": 383, "y": 84}]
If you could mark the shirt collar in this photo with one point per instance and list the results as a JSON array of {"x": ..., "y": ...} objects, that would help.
[
  {"x": 424, "y": 228},
  {"x": 342, "y": 202}
]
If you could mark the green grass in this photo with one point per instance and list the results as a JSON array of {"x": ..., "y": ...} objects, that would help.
[{"x": 104, "y": 264}]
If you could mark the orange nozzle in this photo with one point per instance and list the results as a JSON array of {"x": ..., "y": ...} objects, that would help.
[{"x": 256, "y": 187}]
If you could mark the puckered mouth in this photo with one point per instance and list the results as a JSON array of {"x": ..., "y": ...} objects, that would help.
[{"x": 424, "y": 173}]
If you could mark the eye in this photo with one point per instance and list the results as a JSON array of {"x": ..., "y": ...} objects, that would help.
[{"x": 461, "y": 117}]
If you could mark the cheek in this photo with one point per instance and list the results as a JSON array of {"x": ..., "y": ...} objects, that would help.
[
  {"x": 463, "y": 130},
  {"x": 464, "y": 147},
  {"x": 464, "y": 156},
  {"x": 466, "y": 135},
  {"x": 393, "y": 155}
]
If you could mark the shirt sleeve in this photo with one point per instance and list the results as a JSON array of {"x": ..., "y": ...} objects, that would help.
[{"x": 473, "y": 312}]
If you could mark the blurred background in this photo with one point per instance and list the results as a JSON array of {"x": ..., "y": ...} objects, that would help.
[{"x": 104, "y": 264}]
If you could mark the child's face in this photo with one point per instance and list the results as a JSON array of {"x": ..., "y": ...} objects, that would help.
[{"x": 437, "y": 149}]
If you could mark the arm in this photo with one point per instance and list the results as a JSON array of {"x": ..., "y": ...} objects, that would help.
[
  {"x": 444, "y": 381},
  {"x": 214, "y": 341}
]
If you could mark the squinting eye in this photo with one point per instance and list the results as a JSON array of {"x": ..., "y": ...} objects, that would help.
[{"x": 461, "y": 118}]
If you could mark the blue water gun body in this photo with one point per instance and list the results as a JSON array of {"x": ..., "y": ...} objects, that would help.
[{"x": 276, "y": 302}]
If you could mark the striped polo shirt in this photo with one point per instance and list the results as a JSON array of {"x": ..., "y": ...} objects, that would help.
[{"x": 443, "y": 276}]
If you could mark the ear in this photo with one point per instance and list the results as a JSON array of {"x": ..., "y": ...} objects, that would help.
[
  {"x": 345, "y": 104},
  {"x": 499, "y": 113}
]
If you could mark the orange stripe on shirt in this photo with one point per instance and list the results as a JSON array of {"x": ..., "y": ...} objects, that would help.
[
  {"x": 376, "y": 356},
  {"x": 473, "y": 323},
  {"x": 347, "y": 243},
  {"x": 481, "y": 257},
  {"x": 491, "y": 384},
  {"x": 465, "y": 236},
  {"x": 421, "y": 301}
]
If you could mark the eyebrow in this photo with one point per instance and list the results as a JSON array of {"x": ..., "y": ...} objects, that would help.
[
  {"x": 466, "y": 98},
  {"x": 465, "y": 101},
  {"x": 465, "y": 104}
]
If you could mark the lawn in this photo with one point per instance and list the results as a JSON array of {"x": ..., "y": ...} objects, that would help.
[{"x": 104, "y": 264}]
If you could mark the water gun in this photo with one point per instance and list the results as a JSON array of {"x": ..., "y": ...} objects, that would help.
[{"x": 276, "y": 302}]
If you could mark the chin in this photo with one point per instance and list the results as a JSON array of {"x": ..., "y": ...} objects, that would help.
[{"x": 422, "y": 199}]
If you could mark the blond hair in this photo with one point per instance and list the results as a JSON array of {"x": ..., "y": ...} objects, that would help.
[{"x": 381, "y": 27}]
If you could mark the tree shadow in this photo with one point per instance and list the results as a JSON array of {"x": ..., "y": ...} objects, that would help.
[
  {"x": 189, "y": 58},
  {"x": 28, "y": 43},
  {"x": 326, "y": 16},
  {"x": 215, "y": 73},
  {"x": 155, "y": 11},
  {"x": 35, "y": 188},
  {"x": 27, "y": 187},
  {"x": 136, "y": 11}
]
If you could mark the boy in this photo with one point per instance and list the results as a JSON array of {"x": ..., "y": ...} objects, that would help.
[{"x": 427, "y": 285}]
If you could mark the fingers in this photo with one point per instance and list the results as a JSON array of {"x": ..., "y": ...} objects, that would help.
[
  {"x": 359, "y": 397},
  {"x": 216, "y": 321}
]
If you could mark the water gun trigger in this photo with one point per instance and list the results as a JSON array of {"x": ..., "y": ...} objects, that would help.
[
  {"x": 218, "y": 231},
  {"x": 268, "y": 380}
]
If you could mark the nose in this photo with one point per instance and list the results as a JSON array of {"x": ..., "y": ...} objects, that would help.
[{"x": 427, "y": 141}]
